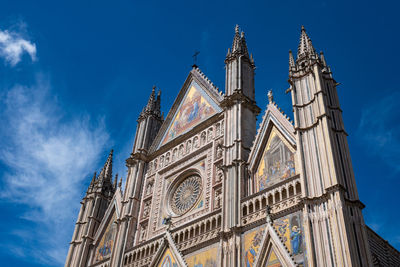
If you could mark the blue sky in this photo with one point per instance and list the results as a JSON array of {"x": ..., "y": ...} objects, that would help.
[{"x": 74, "y": 76}]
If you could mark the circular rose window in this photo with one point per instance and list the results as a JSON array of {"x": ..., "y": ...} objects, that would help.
[{"x": 186, "y": 194}]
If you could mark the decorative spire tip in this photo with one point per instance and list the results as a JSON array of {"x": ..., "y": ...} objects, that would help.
[{"x": 270, "y": 96}]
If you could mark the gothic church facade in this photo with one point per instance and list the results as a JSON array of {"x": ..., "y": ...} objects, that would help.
[{"x": 205, "y": 187}]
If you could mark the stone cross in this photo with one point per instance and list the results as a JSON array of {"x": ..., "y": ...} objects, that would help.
[{"x": 196, "y": 53}]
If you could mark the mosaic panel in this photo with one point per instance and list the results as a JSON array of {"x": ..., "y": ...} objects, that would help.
[
  {"x": 106, "y": 244},
  {"x": 195, "y": 107},
  {"x": 290, "y": 229},
  {"x": 207, "y": 257},
  {"x": 277, "y": 162},
  {"x": 167, "y": 260},
  {"x": 273, "y": 260},
  {"x": 251, "y": 245}
]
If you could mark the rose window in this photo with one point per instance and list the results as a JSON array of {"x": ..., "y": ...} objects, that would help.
[{"x": 186, "y": 194}]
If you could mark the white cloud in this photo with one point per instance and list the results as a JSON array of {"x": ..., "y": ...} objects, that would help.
[
  {"x": 13, "y": 46},
  {"x": 48, "y": 155},
  {"x": 379, "y": 130}
]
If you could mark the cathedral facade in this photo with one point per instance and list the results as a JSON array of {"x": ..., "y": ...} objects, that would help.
[{"x": 207, "y": 187}]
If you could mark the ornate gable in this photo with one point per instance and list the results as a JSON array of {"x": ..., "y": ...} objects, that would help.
[
  {"x": 197, "y": 101},
  {"x": 272, "y": 252},
  {"x": 272, "y": 158},
  {"x": 104, "y": 239},
  {"x": 168, "y": 255}
]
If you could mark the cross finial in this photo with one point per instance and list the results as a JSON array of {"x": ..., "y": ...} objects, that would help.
[{"x": 196, "y": 53}]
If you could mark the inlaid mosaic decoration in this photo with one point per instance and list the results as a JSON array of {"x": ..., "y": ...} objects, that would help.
[
  {"x": 289, "y": 228},
  {"x": 207, "y": 257},
  {"x": 273, "y": 260},
  {"x": 167, "y": 260},
  {"x": 195, "y": 108},
  {"x": 277, "y": 162},
  {"x": 106, "y": 245},
  {"x": 251, "y": 245}
]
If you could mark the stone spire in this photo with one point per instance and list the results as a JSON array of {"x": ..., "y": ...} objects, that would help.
[
  {"x": 305, "y": 46},
  {"x": 323, "y": 61},
  {"x": 153, "y": 104},
  {"x": 92, "y": 183},
  {"x": 106, "y": 172},
  {"x": 120, "y": 183},
  {"x": 104, "y": 181},
  {"x": 149, "y": 122},
  {"x": 291, "y": 59},
  {"x": 239, "y": 46},
  {"x": 115, "y": 181}
]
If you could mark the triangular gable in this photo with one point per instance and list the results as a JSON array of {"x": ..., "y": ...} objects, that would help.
[
  {"x": 272, "y": 156},
  {"x": 107, "y": 232},
  {"x": 106, "y": 244},
  {"x": 168, "y": 254},
  {"x": 272, "y": 250},
  {"x": 197, "y": 101},
  {"x": 273, "y": 260}
]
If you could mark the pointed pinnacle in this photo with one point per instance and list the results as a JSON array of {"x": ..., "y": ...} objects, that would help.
[
  {"x": 106, "y": 172},
  {"x": 115, "y": 181},
  {"x": 291, "y": 59},
  {"x": 92, "y": 182},
  {"x": 270, "y": 96},
  {"x": 94, "y": 177},
  {"x": 305, "y": 46},
  {"x": 323, "y": 58},
  {"x": 239, "y": 43},
  {"x": 120, "y": 183}
]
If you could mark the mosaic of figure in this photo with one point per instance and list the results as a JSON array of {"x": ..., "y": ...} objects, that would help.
[
  {"x": 289, "y": 228},
  {"x": 167, "y": 260},
  {"x": 277, "y": 163},
  {"x": 106, "y": 245},
  {"x": 207, "y": 258},
  {"x": 194, "y": 109},
  {"x": 252, "y": 242}
]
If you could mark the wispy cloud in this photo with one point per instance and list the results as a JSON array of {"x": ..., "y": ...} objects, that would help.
[
  {"x": 13, "y": 46},
  {"x": 379, "y": 130},
  {"x": 48, "y": 155}
]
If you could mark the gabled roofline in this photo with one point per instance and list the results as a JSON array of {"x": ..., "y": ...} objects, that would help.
[
  {"x": 168, "y": 242},
  {"x": 272, "y": 117},
  {"x": 210, "y": 89},
  {"x": 115, "y": 204},
  {"x": 269, "y": 241}
]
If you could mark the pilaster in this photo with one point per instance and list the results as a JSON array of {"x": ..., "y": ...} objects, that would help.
[{"x": 336, "y": 237}]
